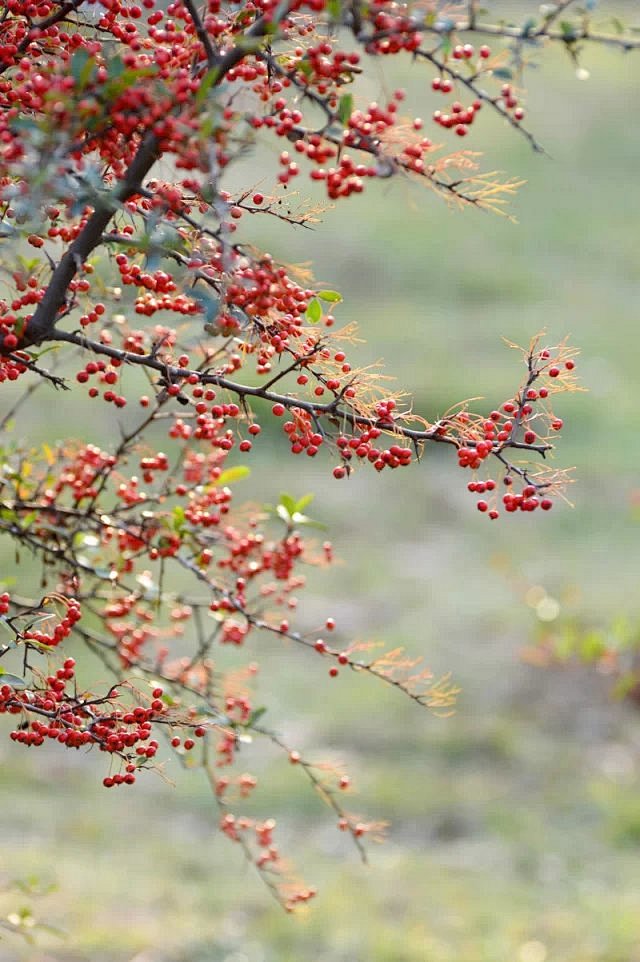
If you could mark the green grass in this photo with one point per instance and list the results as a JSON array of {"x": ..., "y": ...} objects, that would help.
[{"x": 515, "y": 822}]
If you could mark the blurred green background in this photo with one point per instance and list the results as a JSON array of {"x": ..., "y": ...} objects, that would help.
[{"x": 515, "y": 824}]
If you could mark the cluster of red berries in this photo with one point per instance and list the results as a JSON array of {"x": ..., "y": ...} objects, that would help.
[
  {"x": 397, "y": 30},
  {"x": 345, "y": 179},
  {"x": 302, "y": 433},
  {"x": 62, "y": 630},
  {"x": 466, "y": 51},
  {"x": 245, "y": 784},
  {"x": 108, "y": 375},
  {"x": 510, "y": 102},
  {"x": 80, "y": 474},
  {"x": 248, "y": 831},
  {"x": 504, "y": 427},
  {"x": 359, "y": 446},
  {"x": 10, "y": 370},
  {"x": 321, "y": 65},
  {"x": 527, "y": 500},
  {"x": 76, "y": 721},
  {"x": 460, "y": 118}
]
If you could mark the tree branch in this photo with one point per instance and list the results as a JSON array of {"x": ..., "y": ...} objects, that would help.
[
  {"x": 213, "y": 59},
  {"x": 331, "y": 409},
  {"x": 89, "y": 238}
]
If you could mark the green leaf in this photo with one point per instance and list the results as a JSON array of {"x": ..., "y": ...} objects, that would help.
[
  {"x": 565, "y": 645},
  {"x": 208, "y": 303},
  {"x": 331, "y": 297},
  {"x": 302, "y": 502},
  {"x": 237, "y": 473},
  {"x": 279, "y": 14},
  {"x": 35, "y": 355},
  {"x": 207, "y": 126},
  {"x": 82, "y": 66},
  {"x": 14, "y": 681},
  {"x": 115, "y": 66},
  {"x": 592, "y": 646},
  {"x": 307, "y": 522},
  {"x": 288, "y": 503},
  {"x": 178, "y": 518},
  {"x": 255, "y": 716},
  {"x": 314, "y": 311},
  {"x": 116, "y": 85},
  {"x": 503, "y": 73},
  {"x": 206, "y": 84},
  {"x": 291, "y": 511},
  {"x": 568, "y": 31},
  {"x": 7, "y": 627},
  {"x": 345, "y": 108},
  {"x": 166, "y": 238}
]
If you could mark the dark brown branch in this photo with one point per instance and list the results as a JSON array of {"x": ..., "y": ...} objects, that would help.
[
  {"x": 213, "y": 59},
  {"x": 330, "y": 409},
  {"x": 89, "y": 238},
  {"x": 515, "y": 33}
]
